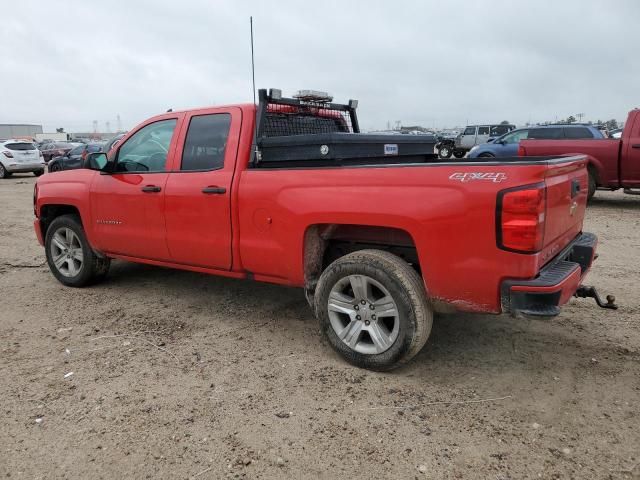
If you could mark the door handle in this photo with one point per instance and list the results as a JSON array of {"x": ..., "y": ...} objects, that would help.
[
  {"x": 635, "y": 145},
  {"x": 151, "y": 189},
  {"x": 214, "y": 190}
]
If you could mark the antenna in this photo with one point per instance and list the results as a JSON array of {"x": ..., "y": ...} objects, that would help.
[{"x": 253, "y": 80}]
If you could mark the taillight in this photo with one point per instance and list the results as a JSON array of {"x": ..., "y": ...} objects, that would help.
[
  {"x": 520, "y": 218},
  {"x": 522, "y": 152},
  {"x": 8, "y": 154}
]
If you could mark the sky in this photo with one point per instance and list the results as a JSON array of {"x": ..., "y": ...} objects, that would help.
[{"x": 66, "y": 63}]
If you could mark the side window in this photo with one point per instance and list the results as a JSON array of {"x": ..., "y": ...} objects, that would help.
[
  {"x": 206, "y": 141},
  {"x": 577, "y": 132},
  {"x": 551, "y": 133},
  {"x": 147, "y": 149},
  {"x": 470, "y": 131},
  {"x": 515, "y": 137},
  {"x": 483, "y": 130},
  {"x": 77, "y": 150},
  {"x": 499, "y": 130}
]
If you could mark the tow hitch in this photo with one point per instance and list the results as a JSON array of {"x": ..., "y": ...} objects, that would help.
[{"x": 585, "y": 291}]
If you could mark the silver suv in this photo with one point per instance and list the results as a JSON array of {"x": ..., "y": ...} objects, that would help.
[{"x": 18, "y": 156}]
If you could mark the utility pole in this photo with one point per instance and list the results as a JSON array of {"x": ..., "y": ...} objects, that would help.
[{"x": 579, "y": 116}]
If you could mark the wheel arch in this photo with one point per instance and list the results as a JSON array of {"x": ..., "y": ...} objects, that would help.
[
  {"x": 325, "y": 242},
  {"x": 50, "y": 212}
]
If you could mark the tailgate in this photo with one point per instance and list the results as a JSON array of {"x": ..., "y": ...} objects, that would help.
[{"x": 566, "y": 201}]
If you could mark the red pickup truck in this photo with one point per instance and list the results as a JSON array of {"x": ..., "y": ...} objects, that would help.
[
  {"x": 378, "y": 231},
  {"x": 613, "y": 163}
]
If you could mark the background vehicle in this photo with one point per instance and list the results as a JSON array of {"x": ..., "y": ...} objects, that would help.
[
  {"x": 617, "y": 133},
  {"x": 470, "y": 136},
  {"x": 112, "y": 142},
  {"x": 18, "y": 156},
  {"x": 74, "y": 158},
  {"x": 613, "y": 163},
  {"x": 507, "y": 145},
  {"x": 307, "y": 206},
  {"x": 56, "y": 149}
]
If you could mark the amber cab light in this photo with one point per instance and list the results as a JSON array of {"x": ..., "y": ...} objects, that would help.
[{"x": 520, "y": 218}]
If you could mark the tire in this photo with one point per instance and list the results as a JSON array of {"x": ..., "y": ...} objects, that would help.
[
  {"x": 3, "y": 172},
  {"x": 56, "y": 167},
  {"x": 444, "y": 152},
  {"x": 486, "y": 155},
  {"x": 79, "y": 270},
  {"x": 459, "y": 153},
  {"x": 592, "y": 184},
  {"x": 383, "y": 343},
  {"x": 37, "y": 173}
]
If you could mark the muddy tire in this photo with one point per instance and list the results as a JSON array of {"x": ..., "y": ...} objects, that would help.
[
  {"x": 373, "y": 309},
  {"x": 70, "y": 257}
]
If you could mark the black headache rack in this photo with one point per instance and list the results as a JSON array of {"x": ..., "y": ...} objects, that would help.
[{"x": 311, "y": 131}]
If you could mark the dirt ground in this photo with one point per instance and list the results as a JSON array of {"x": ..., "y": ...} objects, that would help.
[{"x": 182, "y": 375}]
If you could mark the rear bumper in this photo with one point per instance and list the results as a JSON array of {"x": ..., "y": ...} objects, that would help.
[
  {"x": 15, "y": 167},
  {"x": 556, "y": 283}
]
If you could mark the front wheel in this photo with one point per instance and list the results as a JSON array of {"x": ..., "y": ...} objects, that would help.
[
  {"x": 69, "y": 255},
  {"x": 486, "y": 155},
  {"x": 3, "y": 171},
  {"x": 56, "y": 167},
  {"x": 37, "y": 173},
  {"x": 444, "y": 152},
  {"x": 373, "y": 309}
]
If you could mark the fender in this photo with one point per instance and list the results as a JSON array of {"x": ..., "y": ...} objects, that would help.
[{"x": 70, "y": 188}]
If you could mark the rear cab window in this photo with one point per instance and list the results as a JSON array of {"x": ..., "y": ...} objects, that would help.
[{"x": 483, "y": 130}]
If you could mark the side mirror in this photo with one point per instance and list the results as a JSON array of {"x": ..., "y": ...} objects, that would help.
[{"x": 97, "y": 161}]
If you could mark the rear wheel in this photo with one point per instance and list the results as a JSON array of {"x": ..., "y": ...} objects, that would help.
[
  {"x": 373, "y": 309},
  {"x": 459, "y": 153},
  {"x": 69, "y": 255},
  {"x": 444, "y": 152},
  {"x": 37, "y": 173},
  {"x": 592, "y": 184}
]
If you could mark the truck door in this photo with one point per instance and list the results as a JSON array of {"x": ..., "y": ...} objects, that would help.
[
  {"x": 198, "y": 193},
  {"x": 630, "y": 154},
  {"x": 468, "y": 138},
  {"x": 128, "y": 205}
]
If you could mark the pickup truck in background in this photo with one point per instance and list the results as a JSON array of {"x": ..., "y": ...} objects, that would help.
[
  {"x": 378, "y": 232},
  {"x": 612, "y": 163}
]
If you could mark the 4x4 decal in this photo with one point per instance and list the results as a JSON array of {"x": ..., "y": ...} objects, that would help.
[{"x": 495, "y": 177}]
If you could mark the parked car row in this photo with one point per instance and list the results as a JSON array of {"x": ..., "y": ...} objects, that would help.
[
  {"x": 507, "y": 145},
  {"x": 24, "y": 156}
]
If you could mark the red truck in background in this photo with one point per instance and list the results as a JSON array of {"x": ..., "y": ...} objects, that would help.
[
  {"x": 612, "y": 163},
  {"x": 375, "y": 228}
]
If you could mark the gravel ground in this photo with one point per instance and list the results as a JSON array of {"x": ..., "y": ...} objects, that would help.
[{"x": 165, "y": 374}]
